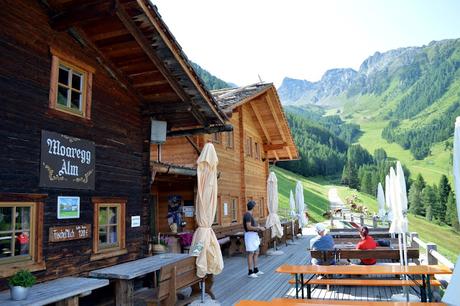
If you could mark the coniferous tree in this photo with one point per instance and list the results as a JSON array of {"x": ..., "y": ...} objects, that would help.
[
  {"x": 366, "y": 183},
  {"x": 451, "y": 212},
  {"x": 415, "y": 200},
  {"x": 435, "y": 206},
  {"x": 380, "y": 155},
  {"x": 444, "y": 191},
  {"x": 428, "y": 198}
]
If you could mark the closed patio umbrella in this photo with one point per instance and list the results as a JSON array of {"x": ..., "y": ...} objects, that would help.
[
  {"x": 456, "y": 159},
  {"x": 381, "y": 201},
  {"x": 299, "y": 201},
  {"x": 273, "y": 220},
  {"x": 292, "y": 205},
  {"x": 204, "y": 244},
  {"x": 388, "y": 198}
]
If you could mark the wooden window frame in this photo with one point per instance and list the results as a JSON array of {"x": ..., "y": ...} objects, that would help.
[
  {"x": 230, "y": 140},
  {"x": 234, "y": 209},
  {"x": 216, "y": 137},
  {"x": 261, "y": 208},
  {"x": 257, "y": 151},
  {"x": 101, "y": 253},
  {"x": 249, "y": 147},
  {"x": 35, "y": 262},
  {"x": 62, "y": 58}
]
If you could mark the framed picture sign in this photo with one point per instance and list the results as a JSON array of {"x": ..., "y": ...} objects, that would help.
[{"x": 68, "y": 207}]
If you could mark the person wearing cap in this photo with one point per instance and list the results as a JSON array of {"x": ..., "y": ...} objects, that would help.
[
  {"x": 366, "y": 243},
  {"x": 251, "y": 240},
  {"x": 323, "y": 242}
]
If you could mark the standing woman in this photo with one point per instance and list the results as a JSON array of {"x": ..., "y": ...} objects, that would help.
[{"x": 252, "y": 240}]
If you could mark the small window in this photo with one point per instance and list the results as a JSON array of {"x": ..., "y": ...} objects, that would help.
[
  {"x": 70, "y": 88},
  {"x": 257, "y": 151},
  {"x": 216, "y": 138},
  {"x": 230, "y": 140},
  {"x": 261, "y": 208},
  {"x": 109, "y": 226},
  {"x": 234, "y": 210},
  {"x": 20, "y": 236},
  {"x": 249, "y": 147}
]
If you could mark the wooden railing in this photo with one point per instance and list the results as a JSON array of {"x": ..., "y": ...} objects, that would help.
[{"x": 431, "y": 251}]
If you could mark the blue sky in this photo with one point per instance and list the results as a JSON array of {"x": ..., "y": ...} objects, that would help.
[{"x": 240, "y": 39}]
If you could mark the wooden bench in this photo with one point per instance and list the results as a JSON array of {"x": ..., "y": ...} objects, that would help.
[
  {"x": 367, "y": 282},
  {"x": 62, "y": 291},
  {"x": 170, "y": 279},
  {"x": 378, "y": 253},
  {"x": 227, "y": 237},
  {"x": 355, "y": 234}
]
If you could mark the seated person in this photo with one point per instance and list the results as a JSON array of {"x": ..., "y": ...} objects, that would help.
[
  {"x": 366, "y": 243},
  {"x": 323, "y": 242}
]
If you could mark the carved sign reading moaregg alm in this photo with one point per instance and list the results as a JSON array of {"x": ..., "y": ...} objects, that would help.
[
  {"x": 70, "y": 232},
  {"x": 66, "y": 162}
]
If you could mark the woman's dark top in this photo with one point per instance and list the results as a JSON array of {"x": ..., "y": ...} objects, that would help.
[{"x": 248, "y": 218}]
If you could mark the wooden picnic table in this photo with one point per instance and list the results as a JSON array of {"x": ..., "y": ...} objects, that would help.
[
  {"x": 424, "y": 271},
  {"x": 63, "y": 291},
  {"x": 125, "y": 273},
  {"x": 355, "y": 234},
  {"x": 294, "y": 302}
]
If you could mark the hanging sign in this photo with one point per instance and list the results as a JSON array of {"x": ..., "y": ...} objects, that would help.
[
  {"x": 66, "y": 162},
  {"x": 69, "y": 232}
]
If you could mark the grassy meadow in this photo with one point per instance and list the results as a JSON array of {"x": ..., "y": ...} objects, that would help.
[{"x": 316, "y": 199}]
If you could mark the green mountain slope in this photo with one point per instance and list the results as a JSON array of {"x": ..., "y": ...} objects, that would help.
[{"x": 210, "y": 81}]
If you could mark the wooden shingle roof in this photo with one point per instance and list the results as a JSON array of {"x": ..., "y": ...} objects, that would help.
[{"x": 267, "y": 112}]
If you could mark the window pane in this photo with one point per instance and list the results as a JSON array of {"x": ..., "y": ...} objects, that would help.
[
  {"x": 112, "y": 235},
  {"x": 63, "y": 75},
  {"x": 102, "y": 216},
  {"x": 102, "y": 235},
  {"x": 76, "y": 81},
  {"x": 5, "y": 246},
  {"x": 75, "y": 100},
  {"x": 113, "y": 215},
  {"x": 62, "y": 95},
  {"x": 22, "y": 244},
  {"x": 5, "y": 218},
  {"x": 23, "y": 218}
]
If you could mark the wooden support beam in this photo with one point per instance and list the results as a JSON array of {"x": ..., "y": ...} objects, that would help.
[
  {"x": 289, "y": 152},
  {"x": 145, "y": 45},
  {"x": 274, "y": 146},
  {"x": 81, "y": 14},
  {"x": 260, "y": 121},
  {"x": 185, "y": 65},
  {"x": 194, "y": 131},
  {"x": 275, "y": 116},
  {"x": 276, "y": 155},
  {"x": 152, "y": 109}
]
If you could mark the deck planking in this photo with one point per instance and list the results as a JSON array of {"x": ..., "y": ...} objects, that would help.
[{"x": 233, "y": 284}]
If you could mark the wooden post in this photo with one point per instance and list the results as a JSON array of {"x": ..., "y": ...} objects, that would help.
[
  {"x": 413, "y": 244},
  {"x": 374, "y": 222},
  {"x": 361, "y": 220},
  {"x": 351, "y": 218},
  {"x": 72, "y": 301},
  {"x": 332, "y": 221},
  {"x": 430, "y": 258},
  {"x": 124, "y": 290}
]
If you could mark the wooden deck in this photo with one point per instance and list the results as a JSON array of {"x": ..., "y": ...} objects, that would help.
[{"x": 233, "y": 284}]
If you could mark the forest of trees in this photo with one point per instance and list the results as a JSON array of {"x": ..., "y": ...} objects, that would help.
[
  {"x": 210, "y": 81},
  {"x": 321, "y": 152}
]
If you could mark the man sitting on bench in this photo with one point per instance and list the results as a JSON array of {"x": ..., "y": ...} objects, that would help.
[
  {"x": 366, "y": 243},
  {"x": 323, "y": 242}
]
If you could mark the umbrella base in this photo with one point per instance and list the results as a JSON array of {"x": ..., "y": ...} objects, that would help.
[
  {"x": 207, "y": 301},
  {"x": 272, "y": 252}
]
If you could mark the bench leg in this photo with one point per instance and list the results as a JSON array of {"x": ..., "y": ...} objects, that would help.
[
  {"x": 73, "y": 301},
  {"x": 124, "y": 291}
]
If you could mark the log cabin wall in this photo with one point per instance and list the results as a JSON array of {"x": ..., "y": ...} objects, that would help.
[
  {"x": 255, "y": 163},
  {"x": 116, "y": 127},
  {"x": 229, "y": 169},
  {"x": 176, "y": 151}
]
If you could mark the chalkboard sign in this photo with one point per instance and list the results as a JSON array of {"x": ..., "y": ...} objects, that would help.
[
  {"x": 69, "y": 232},
  {"x": 66, "y": 162}
]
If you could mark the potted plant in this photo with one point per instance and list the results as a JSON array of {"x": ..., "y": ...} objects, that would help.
[{"x": 20, "y": 284}]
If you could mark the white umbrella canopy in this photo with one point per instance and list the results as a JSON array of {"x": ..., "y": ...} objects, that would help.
[
  {"x": 273, "y": 220},
  {"x": 388, "y": 197},
  {"x": 395, "y": 203},
  {"x": 381, "y": 201},
  {"x": 456, "y": 159},
  {"x": 292, "y": 204},
  {"x": 299, "y": 201},
  {"x": 402, "y": 197},
  {"x": 204, "y": 244}
]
